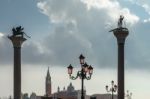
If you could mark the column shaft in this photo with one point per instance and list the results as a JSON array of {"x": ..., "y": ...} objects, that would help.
[
  {"x": 17, "y": 42},
  {"x": 17, "y": 72},
  {"x": 121, "y": 35},
  {"x": 120, "y": 70}
]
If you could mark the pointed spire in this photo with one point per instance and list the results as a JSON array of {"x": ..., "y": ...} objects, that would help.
[
  {"x": 48, "y": 77},
  {"x": 48, "y": 83},
  {"x": 58, "y": 89},
  {"x": 48, "y": 74}
]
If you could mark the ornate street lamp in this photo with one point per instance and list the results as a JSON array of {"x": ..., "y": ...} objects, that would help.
[
  {"x": 112, "y": 89},
  {"x": 81, "y": 57},
  {"x": 70, "y": 69},
  {"x": 85, "y": 73}
]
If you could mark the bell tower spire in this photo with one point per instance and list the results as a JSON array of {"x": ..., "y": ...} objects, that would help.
[{"x": 48, "y": 84}]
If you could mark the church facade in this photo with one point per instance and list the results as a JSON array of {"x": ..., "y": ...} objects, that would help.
[{"x": 69, "y": 93}]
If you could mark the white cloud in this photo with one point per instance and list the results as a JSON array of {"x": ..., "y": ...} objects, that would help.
[
  {"x": 145, "y": 4},
  {"x": 146, "y": 20},
  {"x": 130, "y": 18},
  {"x": 58, "y": 14},
  {"x": 146, "y": 7},
  {"x": 113, "y": 6},
  {"x": 75, "y": 29},
  {"x": 79, "y": 26},
  {"x": 64, "y": 13},
  {"x": 1, "y": 34},
  {"x": 101, "y": 3},
  {"x": 45, "y": 9}
]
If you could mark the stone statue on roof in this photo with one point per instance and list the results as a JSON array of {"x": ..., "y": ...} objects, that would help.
[
  {"x": 120, "y": 21},
  {"x": 18, "y": 32},
  {"x": 120, "y": 25}
]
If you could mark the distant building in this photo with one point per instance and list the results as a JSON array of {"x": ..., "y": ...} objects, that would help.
[
  {"x": 48, "y": 89},
  {"x": 25, "y": 96},
  {"x": 102, "y": 96},
  {"x": 69, "y": 93}
]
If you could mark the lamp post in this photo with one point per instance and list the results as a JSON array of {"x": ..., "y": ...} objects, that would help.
[
  {"x": 129, "y": 94},
  {"x": 85, "y": 73},
  {"x": 112, "y": 89}
]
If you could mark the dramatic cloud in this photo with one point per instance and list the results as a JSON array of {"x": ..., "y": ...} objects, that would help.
[
  {"x": 82, "y": 27},
  {"x": 61, "y": 30},
  {"x": 113, "y": 6},
  {"x": 79, "y": 26}
]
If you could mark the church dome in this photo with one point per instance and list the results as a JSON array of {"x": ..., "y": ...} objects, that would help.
[{"x": 70, "y": 88}]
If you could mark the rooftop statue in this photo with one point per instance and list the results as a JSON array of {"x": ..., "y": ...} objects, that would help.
[
  {"x": 18, "y": 32},
  {"x": 120, "y": 21},
  {"x": 120, "y": 25}
]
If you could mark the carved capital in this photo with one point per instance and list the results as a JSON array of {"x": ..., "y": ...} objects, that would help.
[
  {"x": 17, "y": 41},
  {"x": 121, "y": 34}
]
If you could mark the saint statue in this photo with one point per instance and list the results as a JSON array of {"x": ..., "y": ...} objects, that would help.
[{"x": 120, "y": 21}]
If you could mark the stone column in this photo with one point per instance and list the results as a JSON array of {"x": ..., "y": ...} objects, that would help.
[
  {"x": 17, "y": 42},
  {"x": 121, "y": 34}
]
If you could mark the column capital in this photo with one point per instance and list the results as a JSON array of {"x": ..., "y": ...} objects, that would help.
[
  {"x": 121, "y": 34},
  {"x": 17, "y": 40}
]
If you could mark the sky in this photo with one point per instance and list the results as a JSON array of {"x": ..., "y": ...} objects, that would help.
[{"x": 61, "y": 30}]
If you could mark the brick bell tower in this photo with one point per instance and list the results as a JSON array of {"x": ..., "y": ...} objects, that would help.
[{"x": 48, "y": 84}]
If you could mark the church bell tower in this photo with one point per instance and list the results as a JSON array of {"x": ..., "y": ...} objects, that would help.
[{"x": 48, "y": 84}]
